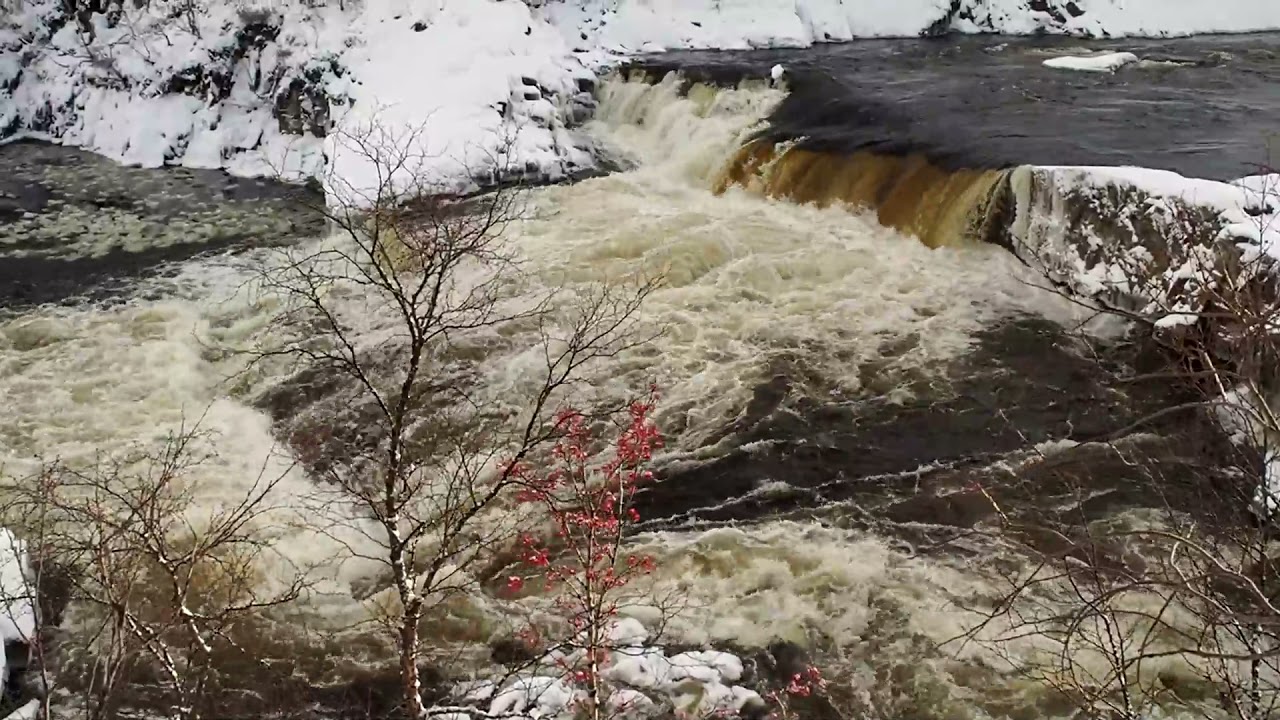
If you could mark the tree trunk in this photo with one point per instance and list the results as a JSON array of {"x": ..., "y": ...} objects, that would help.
[{"x": 409, "y": 682}]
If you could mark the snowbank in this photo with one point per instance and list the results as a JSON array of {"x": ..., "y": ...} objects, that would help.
[
  {"x": 630, "y": 26},
  {"x": 489, "y": 86},
  {"x": 1119, "y": 18},
  {"x": 1107, "y": 62},
  {"x": 149, "y": 91}
]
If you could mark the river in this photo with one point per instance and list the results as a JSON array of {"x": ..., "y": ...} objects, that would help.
[{"x": 819, "y": 369}]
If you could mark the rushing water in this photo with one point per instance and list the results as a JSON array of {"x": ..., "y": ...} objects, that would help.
[{"x": 750, "y": 285}]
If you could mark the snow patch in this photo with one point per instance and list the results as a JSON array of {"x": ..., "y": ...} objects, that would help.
[
  {"x": 642, "y": 680},
  {"x": 1107, "y": 62}
]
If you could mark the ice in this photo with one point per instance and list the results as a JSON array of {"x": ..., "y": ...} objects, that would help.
[{"x": 1107, "y": 62}]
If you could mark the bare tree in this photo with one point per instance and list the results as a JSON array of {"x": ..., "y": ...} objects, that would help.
[
  {"x": 154, "y": 591},
  {"x": 415, "y": 288}
]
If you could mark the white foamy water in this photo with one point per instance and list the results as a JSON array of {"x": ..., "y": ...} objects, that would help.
[
  {"x": 748, "y": 283},
  {"x": 82, "y": 383}
]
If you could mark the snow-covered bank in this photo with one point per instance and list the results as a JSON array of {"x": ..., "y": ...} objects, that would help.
[
  {"x": 254, "y": 87},
  {"x": 232, "y": 88},
  {"x": 651, "y": 25},
  {"x": 251, "y": 85}
]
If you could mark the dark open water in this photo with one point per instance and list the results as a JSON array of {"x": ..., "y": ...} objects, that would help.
[{"x": 1206, "y": 106}]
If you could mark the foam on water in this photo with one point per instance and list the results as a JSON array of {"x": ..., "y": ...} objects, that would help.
[
  {"x": 85, "y": 381},
  {"x": 748, "y": 282}
]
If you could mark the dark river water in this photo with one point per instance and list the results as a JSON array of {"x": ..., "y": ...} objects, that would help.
[{"x": 1206, "y": 106}]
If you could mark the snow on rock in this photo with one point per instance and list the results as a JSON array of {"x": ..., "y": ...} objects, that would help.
[
  {"x": 1263, "y": 192},
  {"x": 1157, "y": 243},
  {"x": 534, "y": 697},
  {"x": 17, "y": 609},
  {"x": 17, "y": 612},
  {"x": 724, "y": 666},
  {"x": 626, "y": 632},
  {"x": 148, "y": 91},
  {"x": 1089, "y": 227},
  {"x": 28, "y": 711},
  {"x": 1106, "y": 62},
  {"x": 1118, "y": 18},
  {"x": 642, "y": 681},
  {"x": 475, "y": 83},
  {"x": 630, "y": 703}
]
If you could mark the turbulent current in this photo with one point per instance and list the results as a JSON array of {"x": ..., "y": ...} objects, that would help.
[{"x": 755, "y": 287}]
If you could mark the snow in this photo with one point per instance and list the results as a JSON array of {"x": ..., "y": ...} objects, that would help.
[
  {"x": 17, "y": 611},
  {"x": 110, "y": 96},
  {"x": 627, "y": 632},
  {"x": 29, "y": 711},
  {"x": 1129, "y": 18},
  {"x": 1058, "y": 213},
  {"x": 1248, "y": 208},
  {"x": 447, "y": 82},
  {"x": 641, "y": 679},
  {"x": 481, "y": 85},
  {"x": 534, "y": 697},
  {"x": 1107, "y": 62},
  {"x": 17, "y": 618}
]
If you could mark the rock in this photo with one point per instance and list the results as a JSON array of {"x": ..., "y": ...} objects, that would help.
[{"x": 511, "y": 652}]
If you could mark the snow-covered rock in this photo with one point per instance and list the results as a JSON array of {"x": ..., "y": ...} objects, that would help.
[
  {"x": 17, "y": 607},
  {"x": 642, "y": 681},
  {"x": 534, "y": 697},
  {"x": 1091, "y": 229}
]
